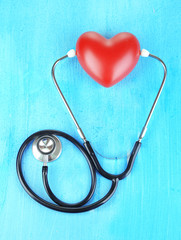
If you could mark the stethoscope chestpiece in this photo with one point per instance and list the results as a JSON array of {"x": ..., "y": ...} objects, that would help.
[{"x": 46, "y": 148}]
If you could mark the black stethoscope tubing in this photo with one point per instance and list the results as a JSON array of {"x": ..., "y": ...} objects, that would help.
[{"x": 62, "y": 206}]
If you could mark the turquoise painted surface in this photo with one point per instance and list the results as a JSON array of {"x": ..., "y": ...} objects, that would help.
[{"x": 147, "y": 204}]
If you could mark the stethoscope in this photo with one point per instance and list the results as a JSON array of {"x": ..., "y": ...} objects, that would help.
[{"x": 47, "y": 147}]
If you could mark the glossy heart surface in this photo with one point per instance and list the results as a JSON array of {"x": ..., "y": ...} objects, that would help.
[{"x": 107, "y": 61}]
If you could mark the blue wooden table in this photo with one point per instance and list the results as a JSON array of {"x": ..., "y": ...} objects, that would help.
[{"x": 147, "y": 204}]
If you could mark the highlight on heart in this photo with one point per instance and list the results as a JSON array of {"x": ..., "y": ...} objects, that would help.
[{"x": 107, "y": 61}]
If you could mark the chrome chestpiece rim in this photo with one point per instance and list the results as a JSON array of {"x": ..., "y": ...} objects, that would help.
[{"x": 46, "y": 148}]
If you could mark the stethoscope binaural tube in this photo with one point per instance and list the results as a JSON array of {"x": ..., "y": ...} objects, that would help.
[
  {"x": 88, "y": 153},
  {"x": 107, "y": 175},
  {"x": 144, "y": 53}
]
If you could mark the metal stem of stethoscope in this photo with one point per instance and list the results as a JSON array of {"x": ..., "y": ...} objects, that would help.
[
  {"x": 156, "y": 99},
  {"x": 73, "y": 117},
  {"x": 65, "y": 101}
]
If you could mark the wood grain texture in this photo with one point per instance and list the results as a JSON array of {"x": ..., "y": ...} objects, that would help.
[{"x": 147, "y": 204}]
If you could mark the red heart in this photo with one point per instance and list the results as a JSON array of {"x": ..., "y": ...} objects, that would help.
[{"x": 107, "y": 61}]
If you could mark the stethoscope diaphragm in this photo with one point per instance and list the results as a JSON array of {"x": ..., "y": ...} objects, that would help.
[{"x": 46, "y": 148}]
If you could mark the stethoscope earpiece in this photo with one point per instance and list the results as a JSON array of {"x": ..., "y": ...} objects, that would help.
[{"x": 46, "y": 148}]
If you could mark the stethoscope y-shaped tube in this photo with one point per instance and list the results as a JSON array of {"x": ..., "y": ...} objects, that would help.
[{"x": 87, "y": 145}]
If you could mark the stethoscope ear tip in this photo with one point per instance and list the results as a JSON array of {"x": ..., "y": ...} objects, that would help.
[
  {"x": 46, "y": 148},
  {"x": 144, "y": 53},
  {"x": 71, "y": 53}
]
